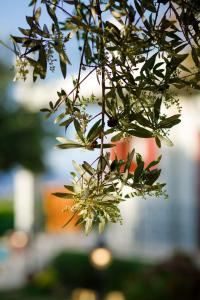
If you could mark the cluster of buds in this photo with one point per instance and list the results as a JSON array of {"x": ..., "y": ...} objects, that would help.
[{"x": 21, "y": 69}]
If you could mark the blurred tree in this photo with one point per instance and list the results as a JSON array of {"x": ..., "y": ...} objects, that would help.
[{"x": 21, "y": 131}]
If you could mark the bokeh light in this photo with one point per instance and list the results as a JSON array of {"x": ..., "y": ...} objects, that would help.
[
  {"x": 83, "y": 294},
  {"x": 101, "y": 258},
  {"x": 18, "y": 240},
  {"x": 115, "y": 295}
]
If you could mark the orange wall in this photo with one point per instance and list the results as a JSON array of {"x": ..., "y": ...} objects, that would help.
[{"x": 55, "y": 217}]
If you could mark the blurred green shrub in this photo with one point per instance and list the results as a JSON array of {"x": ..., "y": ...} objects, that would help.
[
  {"x": 43, "y": 282},
  {"x": 6, "y": 216},
  {"x": 74, "y": 270},
  {"x": 176, "y": 279}
]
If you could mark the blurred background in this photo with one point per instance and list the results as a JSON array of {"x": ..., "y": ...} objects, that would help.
[{"x": 153, "y": 255}]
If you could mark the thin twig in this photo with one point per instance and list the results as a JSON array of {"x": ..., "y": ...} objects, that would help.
[
  {"x": 102, "y": 58},
  {"x": 82, "y": 56},
  {"x": 78, "y": 84}
]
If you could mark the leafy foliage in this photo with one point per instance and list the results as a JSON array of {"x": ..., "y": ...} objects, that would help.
[{"x": 139, "y": 50}]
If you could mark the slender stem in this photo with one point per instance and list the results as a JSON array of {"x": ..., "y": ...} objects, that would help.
[
  {"x": 156, "y": 17},
  {"x": 95, "y": 116},
  {"x": 102, "y": 60},
  {"x": 80, "y": 68},
  {"x": 78, "y": 84},
  {"x": 81, "y": 60},
  {"x": 81, "y": 177}
]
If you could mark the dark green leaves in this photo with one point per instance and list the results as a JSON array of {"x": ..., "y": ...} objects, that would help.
[
  {"x": 148, "y": 65},
  {"x": 139, "y": 131},
  {"x": 152, "y": 176},
  {"x": 169, "y": 122}
]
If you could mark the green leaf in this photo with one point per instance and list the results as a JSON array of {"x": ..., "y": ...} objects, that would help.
[
  {"x": 105, "y": 146},
  {"x": 43, "y": 62},
  {"x": 70, "y": 188},
  {"x": 102, "y": 163},
  {"x": 195, "y": 56},
  {"x": 129, "y": 160},
  {"x": 109, "y": 131},
  {"x": 166, "y": 141},
  {"x": 154, "y": 162},
  {"x": 63, "y": 195},
  {"x": 102, "y": 224},
  {"x": 52, "y": 14},
  {"x": 37, "y": 13},
  {"x": 169, "y": 122},
  {"x": 149, "y": 63},
  {"x": 140, "y": 132},
  {"x": 114, "y": 165},
  {"x": 141, "y": 119},
  {"x": 87, "y": 167},
  {"x": 88, "y": 53},
  {"x": 139, "y": 8},
  {"x": 94, "y": 131},
  {"x": 45, "y": 110},
  {"x": 63, "y": 65},
  {"x": 66, "y": 123},
  {"x": 69, "y": 146},
  {"x": 152, "y": 176},
  {"x": 158, "y": 142},
  {"x": 59, "y": 118},
  {"x": 79, "y": 169},
  {"x": 180, "y": 48},
  {"x": 88, "y": 225},
  {"x": 157, "y": 107},
  {"x": 70, "y": 2},
  {"x": 33, "y": 49},
  {"x": 26, "y": 32},
  {"x": 18, "y": 39},
  {"x": 140, "y": 167},
  {"x": 78, "y": 130},
  {"x": 40, "y": 67},
  {"x": 117, "y": 137}
]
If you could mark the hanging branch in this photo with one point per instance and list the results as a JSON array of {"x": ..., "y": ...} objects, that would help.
[{"x": 141, "y": 58}]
